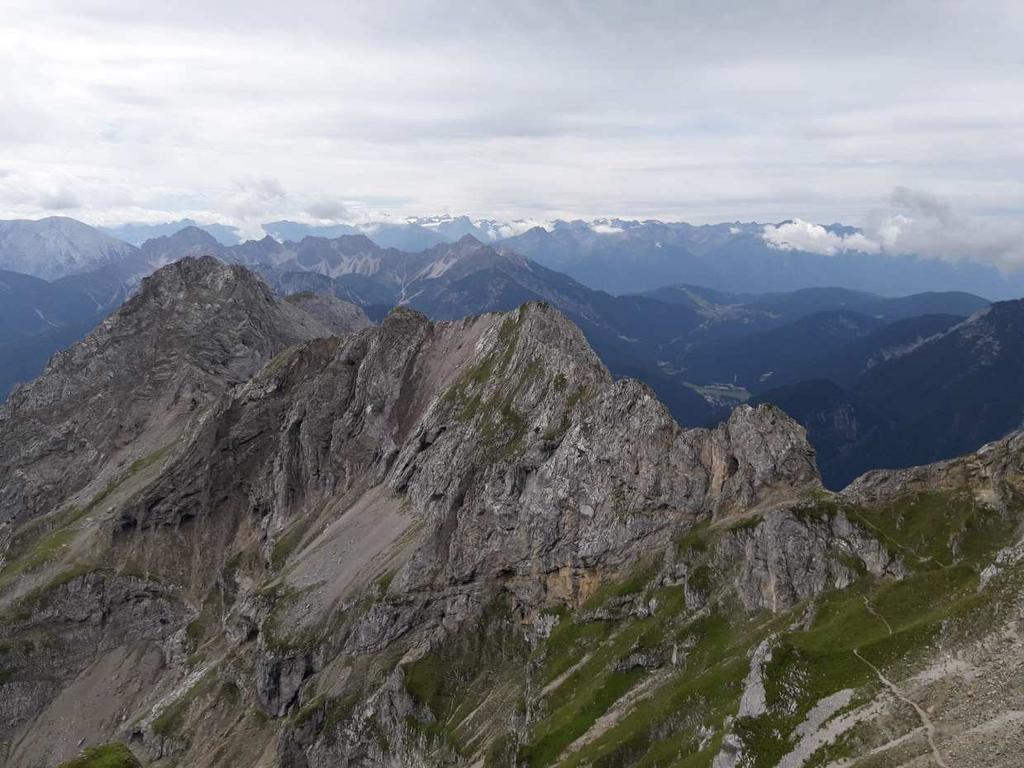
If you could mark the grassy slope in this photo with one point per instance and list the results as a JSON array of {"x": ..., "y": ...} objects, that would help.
[
  {"x": 681, "y": 716},
  {"x": 105, "y": 756}
]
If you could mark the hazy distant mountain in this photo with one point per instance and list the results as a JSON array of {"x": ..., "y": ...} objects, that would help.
[
  {"x": 757, "y": 361},
  {"x": 403, "y": 236},
  {"x": 743, "y": 313},
  {"x": 931, "y": 397},
  {"x": 295, "y": 231},
  {"x": 455, "y": 227},
  {"x": 187, "y": 241},
  {"x": 762, "y": 341},
  {"x": 960, "y": 388},
  {"x": 30, "y": 305},
  {"x": 844, "y": 365},
  {"x": 808, "y": 300},
  {"x": 137, "y": 234},
  {"x": 39, "y": 318},
  {"x": 56, "y": 246},
  {"x": 629, "y": 256},
  {"x": 413, "y": 233}
]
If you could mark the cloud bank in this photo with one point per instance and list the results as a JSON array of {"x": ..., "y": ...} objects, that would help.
[
  {"x": 800, "y": 235},
  {"x": 913, "y": 223}
]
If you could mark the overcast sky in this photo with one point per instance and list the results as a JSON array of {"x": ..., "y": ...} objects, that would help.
[{"x": 248, "y": 111}]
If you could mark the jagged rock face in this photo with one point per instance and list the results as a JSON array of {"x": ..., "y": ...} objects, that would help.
[
  {"x": 195, "y": 329},
  {"x": 466, "y": 459},
  {"x": 511, "y": 469},
  {"x": 789, "y": 557}
]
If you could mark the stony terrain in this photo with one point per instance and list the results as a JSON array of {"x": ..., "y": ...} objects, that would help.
[{"x": 245, "y": 531}]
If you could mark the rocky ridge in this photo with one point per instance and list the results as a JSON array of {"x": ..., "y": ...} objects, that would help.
[{"x": 418, "y": 544}]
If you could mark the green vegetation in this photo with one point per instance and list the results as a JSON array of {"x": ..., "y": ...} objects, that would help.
[
  {"x": 579, "y": 395},
  {"x": 106, "y": 756},
  {"x": 442, "y": 679},
  {"x": 47, "y": 548},
  {"x": 502, "y": 426},
  {"x": 22, "y": 608},
  {"x": 460, "y": 676},
  {"x": 46, "y": 538},
  {"x": 280, "y": 361},
  {"x": 147, "y": 461},
  {"x": 283, "y": 635},
  {"x": 944, "y": 539}
]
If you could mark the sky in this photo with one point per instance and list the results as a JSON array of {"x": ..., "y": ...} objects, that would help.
[{"x": 867, "y": 113}]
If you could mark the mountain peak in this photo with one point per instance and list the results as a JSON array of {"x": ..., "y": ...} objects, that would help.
[
  {"x": 57, "y": 246},
  {"x": 195, "y": 328},
  {"x": 186, "y": 236}
]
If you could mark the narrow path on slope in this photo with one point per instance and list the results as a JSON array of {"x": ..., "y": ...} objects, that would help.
[
  {"x": 904, "y": 547},
  {"x": 876, "y": 614},
  {"x": 929, "y": 728}
]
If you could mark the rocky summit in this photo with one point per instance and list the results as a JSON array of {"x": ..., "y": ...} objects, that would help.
[{"x": 245, "y": 531}]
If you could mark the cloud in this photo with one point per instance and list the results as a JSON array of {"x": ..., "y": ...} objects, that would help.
[
  {"x": 332, "y": 210},
  {"x": 800, "y": 235},
  {"x": 60, "y": 199},
  {"x": 654, "y": 113},
  {"x": 912, "y": 223},
  {"x": 922, "y": 224},
  {"x": 253, "y": 200},
  {"x": 264, "y": 188}
]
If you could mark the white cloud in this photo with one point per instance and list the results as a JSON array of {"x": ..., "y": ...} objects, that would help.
[
  {"x": 800, "y": 235},
  {"x": 913, "y": 223},
  {"x": 606, "y": 229}
]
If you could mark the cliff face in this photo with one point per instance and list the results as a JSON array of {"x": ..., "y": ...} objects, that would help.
[
  {"x": 195, "y": 329},
  {"x": 413, "y": 544}
]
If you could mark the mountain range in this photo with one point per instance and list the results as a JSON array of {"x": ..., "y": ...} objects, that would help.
[
  {"x": 243, "y": 530},
  {"x": 628, "y": 256},
  {"x": 835, "y": 358}
]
